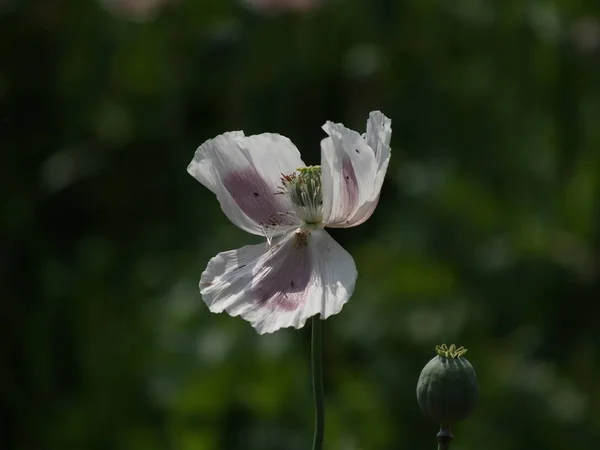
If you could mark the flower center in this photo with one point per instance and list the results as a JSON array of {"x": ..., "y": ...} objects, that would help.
[{"x": 305, "y": 192}]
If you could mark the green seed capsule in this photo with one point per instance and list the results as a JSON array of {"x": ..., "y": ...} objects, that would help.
[{"x": 447, "y": 389}]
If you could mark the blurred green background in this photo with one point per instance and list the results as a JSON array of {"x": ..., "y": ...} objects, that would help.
[{"x": 486, "y": 234}]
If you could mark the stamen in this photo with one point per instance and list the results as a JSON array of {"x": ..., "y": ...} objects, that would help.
[
  {"x": 278, "y": 225},
  {"x": 305, "y": 191},
  {"x": 269, "y": 233}
]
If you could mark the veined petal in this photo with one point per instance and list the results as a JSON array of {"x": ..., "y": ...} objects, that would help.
[
  {"x": 244, "y": 173},
  {"x": 379, "y": 132},
  {"x": 282, "y": 285},
  {"x": 353, "y": 169}
]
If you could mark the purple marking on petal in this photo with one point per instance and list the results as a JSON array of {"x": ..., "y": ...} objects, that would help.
[
  {"x": 285, "y": 277},
  {"x": 349, "y": 194},
  {"x": 255, "y": 197}
]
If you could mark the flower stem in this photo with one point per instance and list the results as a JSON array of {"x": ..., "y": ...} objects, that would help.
[
  {"x": 444, "y": 437},
  {"x": 317, "y": 379}
]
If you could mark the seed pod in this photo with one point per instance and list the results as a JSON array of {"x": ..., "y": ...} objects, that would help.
[{"x": 447, "y": 389}]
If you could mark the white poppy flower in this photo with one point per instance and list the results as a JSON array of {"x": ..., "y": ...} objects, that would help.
[
  {"x": 265, "y": 189},
  {"x": 137, "y": 10},
  {"x": 275, "y": 6}
]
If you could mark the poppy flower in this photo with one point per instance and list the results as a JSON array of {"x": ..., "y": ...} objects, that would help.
[
  {"x": 265, "y": 189},
  {"x": 278, "y": 6}
]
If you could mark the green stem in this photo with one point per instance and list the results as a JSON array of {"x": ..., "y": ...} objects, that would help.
[
  {"x": 317, "y": 379},
  {"x": 444, "y": 437}
]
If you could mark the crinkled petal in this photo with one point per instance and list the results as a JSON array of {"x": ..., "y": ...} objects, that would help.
[
  {"x": 244, "y": 173},
  {"x": 353, "y": 169},
  {"x": 281, "y": 285},
  {"x": 379, "y": 133}
]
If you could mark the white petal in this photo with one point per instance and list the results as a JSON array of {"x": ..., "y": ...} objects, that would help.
[
  {"x": 353, "y": 169},
  {"x": 379, "y": 131},
  {"x": 281, "y": 285},
  {"x": 244, "y": 173}
]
